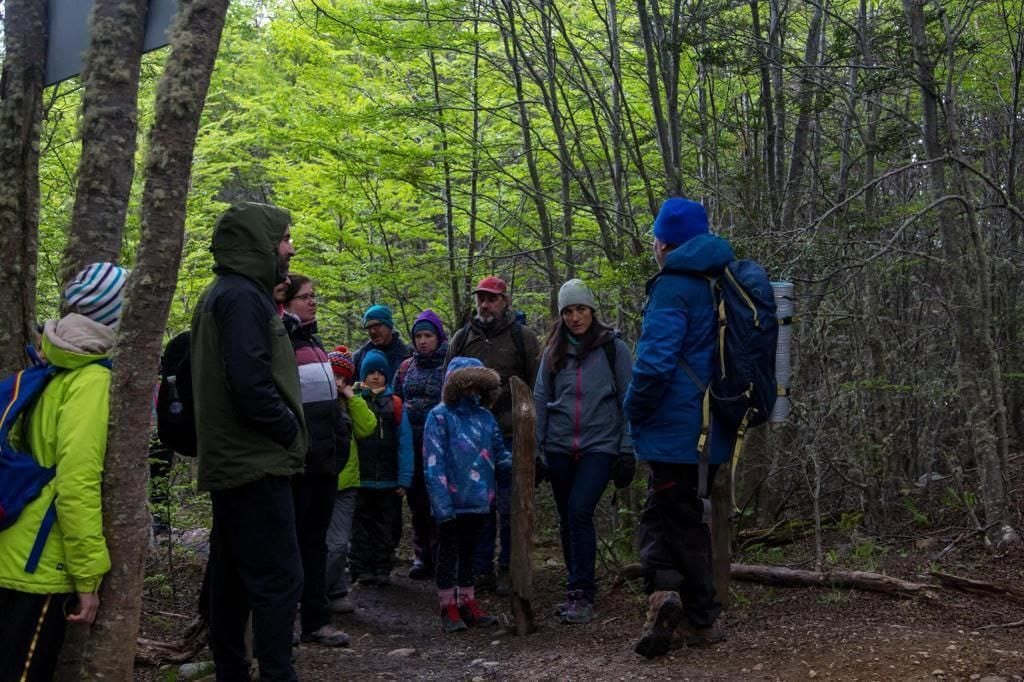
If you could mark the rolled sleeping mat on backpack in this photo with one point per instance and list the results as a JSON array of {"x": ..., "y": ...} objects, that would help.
[{"x": 784, "y": 307}]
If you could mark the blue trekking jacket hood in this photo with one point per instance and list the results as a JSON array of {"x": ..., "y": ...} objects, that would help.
[{"x": 663, "y": 404}]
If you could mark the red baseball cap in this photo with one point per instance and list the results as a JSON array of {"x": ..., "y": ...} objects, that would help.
[{"x": 492, "y": 285}]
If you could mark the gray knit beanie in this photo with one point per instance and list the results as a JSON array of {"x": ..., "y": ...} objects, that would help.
[{"x": 575, "y": 292}]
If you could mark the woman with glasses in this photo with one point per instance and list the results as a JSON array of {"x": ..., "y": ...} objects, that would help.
[{"x": 314, "y": 489}]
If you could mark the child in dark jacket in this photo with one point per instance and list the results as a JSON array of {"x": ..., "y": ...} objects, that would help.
[
  {"x": 463, "y": 452},
  {"x": 385, "y": 470}
]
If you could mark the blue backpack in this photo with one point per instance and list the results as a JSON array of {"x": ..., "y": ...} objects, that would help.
[
  {"x": 743, "y": 387},
  {"x": 743, "y": 384},
  {"x": 22, "y": 478}
]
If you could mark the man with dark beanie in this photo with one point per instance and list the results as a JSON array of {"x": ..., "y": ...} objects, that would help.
[
  {"x": 251, "y": 440},
  {"x": 379, "y": 323},
  {"x": 664, "y": 407}
]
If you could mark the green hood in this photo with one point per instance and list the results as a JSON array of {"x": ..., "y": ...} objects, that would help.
[{"x": 245, "y": 242}]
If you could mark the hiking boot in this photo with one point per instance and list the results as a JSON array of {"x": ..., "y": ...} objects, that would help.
[
  {"x": 694, "y": 636},
  {"x": 326, "y": 635},
  {"x": 420, "y": 571},
  {"x": 578, "y": 611},
  {"x": 451, "y": 619},
  {"x": 474, "y": 616},
  {"x": 485, "y": 583},
  {"x": 342, "y": 604},
  {"x": 663, "y": 615},
  {"x": 503, "y": 585}
]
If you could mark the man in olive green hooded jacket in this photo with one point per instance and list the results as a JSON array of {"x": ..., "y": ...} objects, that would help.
[{"x": 251, "y": 440}]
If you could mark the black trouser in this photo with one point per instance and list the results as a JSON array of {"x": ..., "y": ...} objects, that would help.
[
  {"x": 372, "y": 540},
  {"x": 254, "y": 566},
  {"x": 456, "y": 545},
  {"x": 31, "y": 633},
  {"x": 314, "y": 504},
  {"x": 675, "y": 545},
  {"x": 424, "y": 539}
]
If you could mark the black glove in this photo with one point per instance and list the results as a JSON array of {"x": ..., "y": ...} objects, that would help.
[
  {"x": 540, "y": 471},
  {"x": 623, "y": 469}
]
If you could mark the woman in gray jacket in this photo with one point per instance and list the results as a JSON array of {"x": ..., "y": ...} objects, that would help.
[{"x": 581, "y": 432}]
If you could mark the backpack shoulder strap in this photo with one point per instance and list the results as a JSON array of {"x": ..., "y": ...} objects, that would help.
[
  {"x": 462, "y": 337},
  {"x": 517, "y": 340},
  {"x": 403, "y": 369},
  {"x": 396, "y": 404},
  {"x": 609, "y": 354}
]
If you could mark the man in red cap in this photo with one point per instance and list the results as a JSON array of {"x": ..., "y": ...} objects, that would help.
[{"x": 501, "y": 341}]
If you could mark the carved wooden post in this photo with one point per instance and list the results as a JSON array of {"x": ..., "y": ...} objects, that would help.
[
  {"x": 521, "y": 562},
  {"x": 721, "y": 533}
]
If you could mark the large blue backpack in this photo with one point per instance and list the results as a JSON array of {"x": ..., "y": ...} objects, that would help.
[
  {"x": 743, "y": 386},
  {"x": 22, "y": 478}
]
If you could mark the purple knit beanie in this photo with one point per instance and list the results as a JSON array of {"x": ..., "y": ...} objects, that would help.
[{"x": 429, "y": 317}]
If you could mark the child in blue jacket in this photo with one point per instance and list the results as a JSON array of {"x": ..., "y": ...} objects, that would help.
[{"x": 463, "y": 452}]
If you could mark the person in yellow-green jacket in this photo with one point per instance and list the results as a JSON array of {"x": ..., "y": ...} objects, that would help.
[
  {"x": 65, "y": 429},
  {"x": 339, "y": 534}
]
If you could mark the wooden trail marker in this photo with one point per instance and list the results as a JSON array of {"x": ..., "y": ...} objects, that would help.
[{"x": 521, "y": 561}]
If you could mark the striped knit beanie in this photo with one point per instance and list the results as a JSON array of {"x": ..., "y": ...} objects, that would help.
[
  {"x": 341, "y": 362},
  {"x": 98, "y": 293}
]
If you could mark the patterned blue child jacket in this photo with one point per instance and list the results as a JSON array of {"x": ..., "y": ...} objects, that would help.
[{"x": 463, "y": 448}]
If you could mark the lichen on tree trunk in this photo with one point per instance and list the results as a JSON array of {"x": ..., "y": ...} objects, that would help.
[
  {"x": 109, "y": 128},
  {"x": 21, "y": 95},
  {"x": 181, "y": 94}
]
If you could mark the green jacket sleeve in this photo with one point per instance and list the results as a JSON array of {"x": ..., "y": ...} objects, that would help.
[
  {"x": 364, "y": 421},
  {"x": 81, "y": 447}
]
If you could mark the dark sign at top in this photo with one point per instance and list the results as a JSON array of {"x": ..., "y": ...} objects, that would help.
[{"x": 69, "y": 34}]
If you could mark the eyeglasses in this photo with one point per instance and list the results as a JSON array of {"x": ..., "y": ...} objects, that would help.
[{"x": 308, "y": 298}]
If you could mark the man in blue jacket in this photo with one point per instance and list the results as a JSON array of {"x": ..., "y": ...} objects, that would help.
[{"x": 664, "y": 408}]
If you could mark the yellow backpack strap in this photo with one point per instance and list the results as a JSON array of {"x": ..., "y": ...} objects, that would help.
[{"x": 737, "y": 448}]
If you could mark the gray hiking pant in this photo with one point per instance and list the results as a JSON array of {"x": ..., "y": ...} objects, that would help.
[{"x": 339, "y": 539}]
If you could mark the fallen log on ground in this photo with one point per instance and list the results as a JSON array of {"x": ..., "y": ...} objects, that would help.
[
  {"x": 979, "y": 586},
  {"x": 154, "y": 652},
  {"x": 858, "y": 580},
  {"x": 791, "y": 577}
]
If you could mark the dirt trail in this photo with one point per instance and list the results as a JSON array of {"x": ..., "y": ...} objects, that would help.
[{"x": 774, "y": 634}]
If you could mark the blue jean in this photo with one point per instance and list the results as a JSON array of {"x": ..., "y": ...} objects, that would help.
[
  {"x": 483, "y": 560},
  {"x": 577, "y": 484}
]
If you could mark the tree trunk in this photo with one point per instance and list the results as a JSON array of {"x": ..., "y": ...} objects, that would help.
[
  {"x": 511, "y": 43},
  {"x": 109, "y": 128},
  {"x": 21, "y": 100},
  {"x": 801, "y": 133},
  {"x": 181, "y": 94},
  {"x": 975, "y": 361}
]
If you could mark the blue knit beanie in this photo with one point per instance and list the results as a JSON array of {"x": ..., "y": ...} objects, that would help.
[
  {"x": 380, "y": 313},
  {"x": 679, "y": 220},
  {"x": 373, "y": 361}
]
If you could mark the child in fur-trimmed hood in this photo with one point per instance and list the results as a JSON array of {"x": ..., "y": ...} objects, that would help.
[{"x": 463, "y": 452}]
